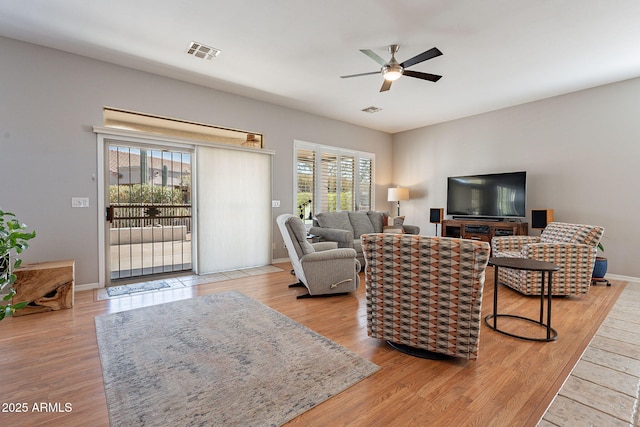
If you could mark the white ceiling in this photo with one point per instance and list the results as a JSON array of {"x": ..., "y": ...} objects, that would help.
[{"x": 497, "y": 53}]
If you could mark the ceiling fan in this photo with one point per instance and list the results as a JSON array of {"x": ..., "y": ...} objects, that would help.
[{"x": 392, "y": 70}]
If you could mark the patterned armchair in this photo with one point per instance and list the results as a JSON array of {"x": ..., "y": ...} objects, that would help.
[
  {"x": 424, "y": 294},
  {"x": 572, "y": 247}
]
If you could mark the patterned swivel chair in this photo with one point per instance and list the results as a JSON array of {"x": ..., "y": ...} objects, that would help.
[
  {"x": 424, "y": 294},
  {"x": 572, "y": 247}
]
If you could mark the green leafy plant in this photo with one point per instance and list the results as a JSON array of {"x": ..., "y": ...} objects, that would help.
[{"x": 13, "y": 241}]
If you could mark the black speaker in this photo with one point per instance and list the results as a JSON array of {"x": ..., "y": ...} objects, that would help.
[
  {"x": 436, "y": 215},
  {"x": 541, "y": 217}
]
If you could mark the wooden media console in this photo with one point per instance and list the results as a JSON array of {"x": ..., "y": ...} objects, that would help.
[{"x": 482, "y": 230}]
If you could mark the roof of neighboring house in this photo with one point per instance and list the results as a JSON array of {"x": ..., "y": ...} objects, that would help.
[{"x": 127, "y": 159}]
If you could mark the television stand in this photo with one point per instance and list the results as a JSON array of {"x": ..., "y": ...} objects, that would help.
[{"x": 483, "y": 230}]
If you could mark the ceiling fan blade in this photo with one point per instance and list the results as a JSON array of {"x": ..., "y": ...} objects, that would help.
[
  {"x": 423, "y": 76},
  {"x": 431, "y": 53},
  {"x": 371, "y": 54},
  {"x": 386, "y": 85},
  {"x": 361, "y": 74}
]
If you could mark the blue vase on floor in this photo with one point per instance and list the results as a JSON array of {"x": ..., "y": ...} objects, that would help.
[{"x": 600, "y": 268}]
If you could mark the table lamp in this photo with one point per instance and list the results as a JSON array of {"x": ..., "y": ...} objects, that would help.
[{"x": 396, "y": 194}]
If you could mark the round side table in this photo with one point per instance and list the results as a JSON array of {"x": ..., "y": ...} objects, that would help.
[{"x": 530, "y": 265}]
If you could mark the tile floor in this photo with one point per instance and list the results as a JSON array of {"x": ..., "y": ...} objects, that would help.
[
  {"x": 603, "y": 387},
  {"x": 180, "y": 283}
]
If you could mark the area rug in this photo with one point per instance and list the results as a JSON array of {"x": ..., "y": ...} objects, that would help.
[
  {"x": 115, "y": 291},
  {"x": 221, "y": 359}
]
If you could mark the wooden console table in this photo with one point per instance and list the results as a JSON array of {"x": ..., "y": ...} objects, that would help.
[{"x": 47, "y": 286}]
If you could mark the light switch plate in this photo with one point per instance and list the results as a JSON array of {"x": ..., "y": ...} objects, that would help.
[
  {"x": 275, "y": 203},
  {"x": 79, "y": 202}
]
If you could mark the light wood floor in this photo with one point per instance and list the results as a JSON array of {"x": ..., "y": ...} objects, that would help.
[{"x": 52, "y": 358}]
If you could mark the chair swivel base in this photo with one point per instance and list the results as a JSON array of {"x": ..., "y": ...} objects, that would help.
[
  {"x": 322, "y": 295},
  {"x": 307, "y": 295},
  {"x": 419, "y": 352}
]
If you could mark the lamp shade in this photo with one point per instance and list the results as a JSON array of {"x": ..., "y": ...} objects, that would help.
[{"x": 397, "y": 194}]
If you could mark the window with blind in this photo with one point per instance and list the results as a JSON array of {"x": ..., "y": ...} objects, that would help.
[{"x": 332, "y": 179}]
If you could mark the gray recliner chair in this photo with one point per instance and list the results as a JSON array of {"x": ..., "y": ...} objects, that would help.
[{"x": 323, "y": 268}]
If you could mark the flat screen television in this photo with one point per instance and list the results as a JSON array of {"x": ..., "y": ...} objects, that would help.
[{"x": 497, "y": 195}]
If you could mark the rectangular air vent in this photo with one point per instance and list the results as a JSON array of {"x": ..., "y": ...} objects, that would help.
[
  {"x": 201, "y": 51},
  {"x": 372, "y": 109}
]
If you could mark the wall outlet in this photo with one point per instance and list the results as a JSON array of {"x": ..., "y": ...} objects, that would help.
[
  {"x": 79, "y": 202},
  {"x": 275, "y": 203}
]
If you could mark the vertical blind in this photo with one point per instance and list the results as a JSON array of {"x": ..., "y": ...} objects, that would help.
[
  {"x": 234, "y": 209},
  {"x": 332, "y": 179}
]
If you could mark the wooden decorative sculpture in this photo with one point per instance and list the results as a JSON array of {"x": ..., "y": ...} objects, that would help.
[{"x": 47, "y": 286}]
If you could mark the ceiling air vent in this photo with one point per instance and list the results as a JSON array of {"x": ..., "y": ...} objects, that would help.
[
  {"x": 201, "y": 51},
  {"x": 372, "y": 109}
]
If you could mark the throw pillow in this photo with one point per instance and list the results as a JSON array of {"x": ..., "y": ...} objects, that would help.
[
  {"x": 395, "y": 221},
  {"x": 394, "y": 225}
]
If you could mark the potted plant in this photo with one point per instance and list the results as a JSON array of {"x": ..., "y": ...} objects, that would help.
[
  {"x": 13, "y": 241},
  {"x": 600, "y": 267}
]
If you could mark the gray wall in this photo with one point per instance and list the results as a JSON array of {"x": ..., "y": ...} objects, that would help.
[
  {"x": 49, "y": 102},
  {"x": 580, "y": 151}
]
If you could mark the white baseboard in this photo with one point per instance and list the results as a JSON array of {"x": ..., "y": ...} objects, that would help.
[
  {"x": 86, "y": 287},
  {"x": 89, "y": 286},
  {"x": 623, "y": 278}
]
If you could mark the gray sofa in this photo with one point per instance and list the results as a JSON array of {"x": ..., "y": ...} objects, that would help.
[{"x": 346, "y": 227}]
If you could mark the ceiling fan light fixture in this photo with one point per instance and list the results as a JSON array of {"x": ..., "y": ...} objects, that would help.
[{"x": 392, "y": 72}]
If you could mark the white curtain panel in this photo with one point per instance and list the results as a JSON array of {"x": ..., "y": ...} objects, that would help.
[{"x": 233, "y": 209}]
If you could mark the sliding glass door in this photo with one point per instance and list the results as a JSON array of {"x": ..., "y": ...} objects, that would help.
[
  {"x": 191, "y": 207},
  {"x": 149, "y": 211}
]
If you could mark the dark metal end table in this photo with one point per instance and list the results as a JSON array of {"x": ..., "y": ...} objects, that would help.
[{"x": 530, "y": 265}]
